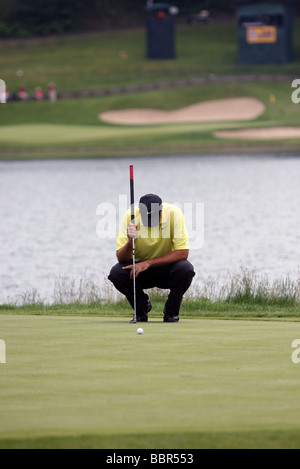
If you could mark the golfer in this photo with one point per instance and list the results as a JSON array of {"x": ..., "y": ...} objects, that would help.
[{"x": 161, "y": 253}]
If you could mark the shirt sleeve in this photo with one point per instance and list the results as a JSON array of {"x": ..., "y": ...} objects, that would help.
[
  {"x": 122, "y": 235},
  {"x": 180, "y": 236}
]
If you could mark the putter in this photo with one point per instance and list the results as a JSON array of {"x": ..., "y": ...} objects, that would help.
[{"x": 133, "y": 241}]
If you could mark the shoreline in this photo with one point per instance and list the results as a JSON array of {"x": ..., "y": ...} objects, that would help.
[{"x": 226, "y": 149}]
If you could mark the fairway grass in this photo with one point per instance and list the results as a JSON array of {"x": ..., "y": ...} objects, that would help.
[
  {"x": 93, "y": 382},
  {"x": 51, "y": 134},
  {"x": 71, "y": 128}
]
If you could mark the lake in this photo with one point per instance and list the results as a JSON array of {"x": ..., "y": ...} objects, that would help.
[{"x": 242, "y": 210}]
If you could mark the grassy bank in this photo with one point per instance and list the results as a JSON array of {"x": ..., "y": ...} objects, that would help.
[
  {"x": 242, "y": 294},
  {"x": 190, "y": 309}
]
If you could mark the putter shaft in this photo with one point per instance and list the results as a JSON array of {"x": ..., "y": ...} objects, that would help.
[{"x": 133, "y": 276}]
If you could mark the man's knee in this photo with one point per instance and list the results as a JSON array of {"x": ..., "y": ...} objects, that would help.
[
  {"x": 182, "y": 271},
  {"x": 116, "y": 273},
  {"x": 185, "y": 268}
]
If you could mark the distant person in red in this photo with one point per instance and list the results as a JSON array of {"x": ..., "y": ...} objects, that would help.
[
  {"x": 52, "y": 94},
  {"x": 38, "y": 93},
  {"x": 22, "y": 93}
]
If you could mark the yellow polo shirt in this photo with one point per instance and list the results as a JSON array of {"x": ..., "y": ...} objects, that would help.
[{"x": 170, "y": 235}]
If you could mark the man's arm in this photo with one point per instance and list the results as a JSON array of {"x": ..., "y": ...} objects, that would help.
[
  {"x": 170, "y": 258},
  {"x": 124, "y": 254}
]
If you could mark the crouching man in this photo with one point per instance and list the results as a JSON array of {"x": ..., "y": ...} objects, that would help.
[{"x": 161, "y": 253}]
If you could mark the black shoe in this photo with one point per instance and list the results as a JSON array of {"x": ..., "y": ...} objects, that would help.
[
  {"x": 148, "y": 305},
  {"x": 171, "y": 318},
  {"x": 139, "y": 319},
  {"x": 144, "y": 316}
]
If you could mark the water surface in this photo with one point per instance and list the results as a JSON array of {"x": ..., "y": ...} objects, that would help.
[{"x": 48, "y": 214}]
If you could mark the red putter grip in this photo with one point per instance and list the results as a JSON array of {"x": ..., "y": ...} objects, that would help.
[{"x": 131, "y": 193}]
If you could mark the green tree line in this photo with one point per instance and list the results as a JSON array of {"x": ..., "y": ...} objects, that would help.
[{"x": 25, "y": 18}]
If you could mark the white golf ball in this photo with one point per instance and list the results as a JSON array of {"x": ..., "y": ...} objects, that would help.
[{"x": 140, "y": 330}]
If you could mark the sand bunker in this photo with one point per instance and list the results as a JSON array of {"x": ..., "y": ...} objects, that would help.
[
  {"x": 209, "y": 111},
  {"x": 274, "y": 133}
]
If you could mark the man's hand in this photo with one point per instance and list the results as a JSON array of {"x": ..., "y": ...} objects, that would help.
[
  {"x": 124, "y": 254},
  {"x": 132, "y": 231},
  {"x": 139, "y": 267},
  {"x": 167, "y": 259}
]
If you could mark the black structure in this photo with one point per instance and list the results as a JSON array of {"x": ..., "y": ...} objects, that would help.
[
  {"x": 265, "y": 33},
  {"x": 160, "y": 27}
]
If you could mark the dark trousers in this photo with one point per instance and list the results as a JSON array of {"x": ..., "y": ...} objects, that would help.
[{"x": 175, "y": 277}]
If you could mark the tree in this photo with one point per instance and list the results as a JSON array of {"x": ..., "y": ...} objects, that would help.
[{"x": 23, "y": 18}]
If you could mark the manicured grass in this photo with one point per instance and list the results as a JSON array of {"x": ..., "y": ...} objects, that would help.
[
  {"x": 93, "y": 382},
  {"x": 185, "y": 440}
]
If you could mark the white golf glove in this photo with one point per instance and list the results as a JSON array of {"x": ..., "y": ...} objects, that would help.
[{"x": 132, "y": 231}]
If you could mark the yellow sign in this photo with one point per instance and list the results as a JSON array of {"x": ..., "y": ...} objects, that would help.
[{"x": 261, "y": 34}]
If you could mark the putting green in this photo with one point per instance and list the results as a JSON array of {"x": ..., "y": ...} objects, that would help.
[
  {"x": 40, "y": 134},
  {"x": 56, "y": 134},
  {"x": 77, "y": 376}
]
